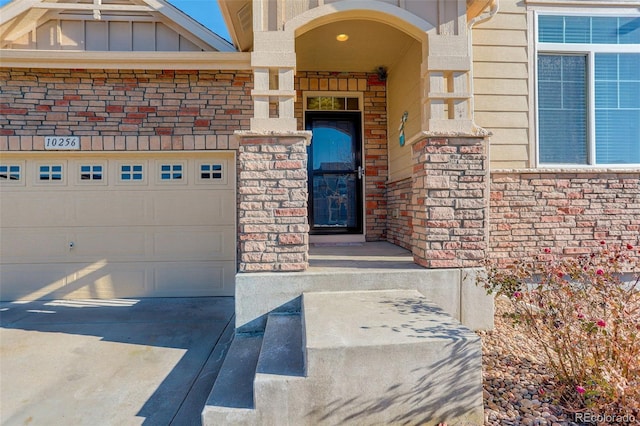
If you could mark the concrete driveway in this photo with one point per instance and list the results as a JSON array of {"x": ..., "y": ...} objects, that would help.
[{"x": 111, "y": 362}]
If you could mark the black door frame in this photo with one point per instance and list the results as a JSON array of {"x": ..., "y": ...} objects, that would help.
[{"x": 356, "y": 118}]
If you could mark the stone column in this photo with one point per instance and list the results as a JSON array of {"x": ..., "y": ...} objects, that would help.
[
  {"x": 450, "y": 201},
  {"x": 273, "y": 229}
]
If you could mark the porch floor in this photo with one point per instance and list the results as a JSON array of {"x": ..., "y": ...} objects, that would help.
[{"x": 350, "y": 257}]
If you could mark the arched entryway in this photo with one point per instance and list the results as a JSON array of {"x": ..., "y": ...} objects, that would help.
[
  {"x": 357, "y": 70},
  {"x": 409, "y": 82}
]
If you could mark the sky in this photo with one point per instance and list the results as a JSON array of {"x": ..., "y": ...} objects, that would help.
[{"x": 204, "y": 11}]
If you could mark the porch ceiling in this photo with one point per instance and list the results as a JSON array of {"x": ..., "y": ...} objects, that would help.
[{"x": 370, "y": 45}]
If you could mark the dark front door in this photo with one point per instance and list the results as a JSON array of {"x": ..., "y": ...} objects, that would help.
[{"x": 335, "y": 172}]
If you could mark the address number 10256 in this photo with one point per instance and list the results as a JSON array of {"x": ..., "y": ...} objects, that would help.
[{"x": 62, "y": 142}]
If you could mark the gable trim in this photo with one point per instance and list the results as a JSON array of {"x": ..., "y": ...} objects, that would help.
[
  {"x": 176, "y": 15},
  {"x": 204, "y": 36}
]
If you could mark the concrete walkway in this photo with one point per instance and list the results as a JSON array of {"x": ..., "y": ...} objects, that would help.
[{"x": 111, "y": 362}]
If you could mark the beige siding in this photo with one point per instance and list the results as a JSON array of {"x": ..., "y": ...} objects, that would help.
[
  {"x": 120, "y": 36},
  {"x": 46, "y": 36},
  {"x": 403, "y": 86},
  {"x": 144, "y": 36},
  {"x": 97, "y": 36},
  {"x": 71, "y": 35},
  {"x": 501, "y": 84},
  {"x": 167, "y": 39}
]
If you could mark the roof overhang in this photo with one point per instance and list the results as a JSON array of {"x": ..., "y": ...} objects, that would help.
[
  {"x": 476, "y": 7},
  {"x": 238, "y": 15},
  {"x": 125, "y": 60}
]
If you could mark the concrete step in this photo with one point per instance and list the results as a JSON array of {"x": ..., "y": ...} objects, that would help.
[
  {"x": 234, "y": 385},
  {"x": 354, "y": 358},
  {"x": 282, "y": 351},
  {"x": 454, "y": 290},
  {"x": 390, "y": 357},
  {"x": 271, "y": 360}
]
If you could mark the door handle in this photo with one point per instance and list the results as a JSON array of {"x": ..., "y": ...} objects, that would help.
[{"x": 361, "y": 172}]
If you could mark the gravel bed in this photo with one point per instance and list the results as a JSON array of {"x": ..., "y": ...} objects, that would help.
[{"x": 516, "y": 382}]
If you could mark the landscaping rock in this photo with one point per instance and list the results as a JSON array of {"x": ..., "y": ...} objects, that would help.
[{"x": 516, "y": 378}]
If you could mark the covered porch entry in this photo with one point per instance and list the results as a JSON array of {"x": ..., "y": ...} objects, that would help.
[
  {"x": 339, "y": 323},
  {"x": 362, "y": 132}
]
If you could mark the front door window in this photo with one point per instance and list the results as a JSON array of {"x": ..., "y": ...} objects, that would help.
[{"x": 335, "y": 190}]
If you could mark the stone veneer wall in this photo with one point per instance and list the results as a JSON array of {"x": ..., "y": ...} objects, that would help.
[
  {"x": 125, "y": 109},
  {"x": 374, "y": 134},
  {"x": 570, "y": 212},
  {"x": 399, "y": 220},
  {"x": 272, "y": 213},
  {"x": 450, "y": 202}
]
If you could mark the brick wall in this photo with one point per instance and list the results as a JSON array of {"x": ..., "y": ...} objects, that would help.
[
  {"x": 569, "y": 212},
  {"x": 374, "y": 135},
  {"x": 125, "y": 109},
  {"x": 449, "y": 202},
  {"x": 272, "y": 214},
  {"x": 399, "y": 221}
]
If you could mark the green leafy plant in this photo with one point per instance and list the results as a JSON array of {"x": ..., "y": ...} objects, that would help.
[{"x": 584, "y": 313}]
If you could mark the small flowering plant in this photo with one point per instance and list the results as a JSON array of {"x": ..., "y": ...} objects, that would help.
[{"x": 584, "y": 312}]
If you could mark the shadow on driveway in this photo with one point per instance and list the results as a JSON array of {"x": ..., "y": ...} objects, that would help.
[{"x": 111, "y": 362}]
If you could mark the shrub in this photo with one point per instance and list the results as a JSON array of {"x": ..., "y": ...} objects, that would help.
[{"x": 584, "y": 313}]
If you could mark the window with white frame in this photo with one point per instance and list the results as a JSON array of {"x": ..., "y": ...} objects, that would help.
[
  {"x": 50, "y": 173},
  {"x": 588, "y": 90},
  {"x": 211, "y": 171},
  {"x": 10, "y": 172},
  {"x": 171, "y": 172},
  {"x": 92, "y": 173},
  {"x": 131, "y": 173}
]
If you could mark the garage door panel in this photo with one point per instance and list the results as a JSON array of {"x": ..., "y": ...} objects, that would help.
[
  {"x": 111, "y": 243},
  {"x": 40, "y": 207},
  {"x": 203, "y": 279},
  {"x": 80, "y": 208},
  {"x": 109, "y": 238},
  {"x": 196, "y": 243},
  {"x": 19, "y": 245},
  {"x": 110, "y": 280},
  {"x": 41, "y": 281},
  {"x": 112, "y": 208},
  {"x": 178, "y": 207}
]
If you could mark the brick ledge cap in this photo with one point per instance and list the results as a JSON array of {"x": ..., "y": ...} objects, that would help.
[
  {"x": 477, "y": 132},
  {"x": 578, "y": 170},
  {"x": 247, "y": 134}
]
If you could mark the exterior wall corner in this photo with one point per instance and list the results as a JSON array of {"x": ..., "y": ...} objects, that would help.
[
  {"x": 450, "y": 202},
  {"x": 273, "y": 229}
]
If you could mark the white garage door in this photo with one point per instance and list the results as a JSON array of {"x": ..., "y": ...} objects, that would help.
[{"x": 117, "y": 225}]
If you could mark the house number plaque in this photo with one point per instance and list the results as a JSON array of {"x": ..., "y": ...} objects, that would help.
[{"x": 61, "y": 142}]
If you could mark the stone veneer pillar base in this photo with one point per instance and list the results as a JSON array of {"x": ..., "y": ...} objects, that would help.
[
  {"x": 272, "y": 201},
  {"x": 450, "y": 202}
]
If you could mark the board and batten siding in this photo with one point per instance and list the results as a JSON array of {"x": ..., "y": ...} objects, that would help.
[
  {"x": 501, "y": 79},
  {"x": 108, "y": 35}
]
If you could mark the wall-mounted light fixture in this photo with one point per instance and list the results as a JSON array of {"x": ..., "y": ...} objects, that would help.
[{"x": 382, "y": 73}]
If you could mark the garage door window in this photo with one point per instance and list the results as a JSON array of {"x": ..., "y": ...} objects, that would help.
[
  {"x": 50, "y": 173},
  {"x": 211, "y": 172},
  {"x": 131, "y": 173},
  {"x": 171, "y": 173},
  {"x": 10, "y": 173},
  {"x": 92, "y": 173}
]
